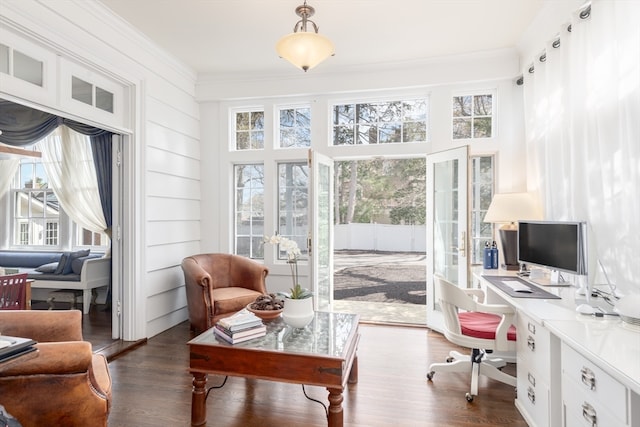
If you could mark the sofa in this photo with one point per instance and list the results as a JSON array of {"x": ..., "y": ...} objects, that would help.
[
  {"x": 219, "y": 285},
  {"x": 77, "y": 270},
  {"x": 63, "y": 383}
]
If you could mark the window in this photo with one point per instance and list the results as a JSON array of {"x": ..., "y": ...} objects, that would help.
[
  {"x": 37, "y": 214},
  {"x": 295, "y": 127},
  {"x": 293, "y": 184},
  {"x": 472, "y": 116},
  {"x": 380, "y": 122},
  {"x": 249, "y": 130},
  {"x": 482, "y": 189},
  {"x": 84, "y": 92},
  {"x": 36, "y": 211},
  {"x": 249, "y": 210}
]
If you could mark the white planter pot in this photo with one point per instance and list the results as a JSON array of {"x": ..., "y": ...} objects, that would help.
[{"x": 298, "y": 313}]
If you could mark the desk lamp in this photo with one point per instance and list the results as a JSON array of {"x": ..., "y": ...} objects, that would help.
[{"x": 508, "y": 209}]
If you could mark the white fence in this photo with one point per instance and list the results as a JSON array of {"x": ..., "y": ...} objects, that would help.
[{"x": 381, "y": 237}]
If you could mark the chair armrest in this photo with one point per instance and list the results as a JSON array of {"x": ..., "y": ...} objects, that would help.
[
  {"x": 496, "y": 308},
  {"x": 477, "y": 293},
  {"x": 42, "y": 325},
  {"x": 54, "y": 358}
]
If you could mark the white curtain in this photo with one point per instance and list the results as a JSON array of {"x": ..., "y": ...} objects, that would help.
[
  {"x": 582, "y": 118},
  {"x": 8, "y": 168},
  {"x": 68, "y": 162}
]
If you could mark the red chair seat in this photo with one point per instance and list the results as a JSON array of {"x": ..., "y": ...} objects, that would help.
[{"x": 482, "y": 325}]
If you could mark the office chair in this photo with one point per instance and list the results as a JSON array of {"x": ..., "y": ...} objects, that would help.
[{"x": 484, "y": 328}]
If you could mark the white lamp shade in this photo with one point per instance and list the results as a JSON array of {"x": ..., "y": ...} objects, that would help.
[
  {"x": 513, "y": 207},
  {"x": 305, "y": 50}
]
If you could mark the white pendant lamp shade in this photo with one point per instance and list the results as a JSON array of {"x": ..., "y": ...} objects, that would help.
[{"x": 305, "y": 50}]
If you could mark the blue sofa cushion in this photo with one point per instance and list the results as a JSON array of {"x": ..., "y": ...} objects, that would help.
[
  {"x": 27, "y": 259},
  {"x": 70, "y": 257},
  {"x": 63, "y": 261},
  {"x": 76, "y": 264},
  {"x": 48, "y": 268}
]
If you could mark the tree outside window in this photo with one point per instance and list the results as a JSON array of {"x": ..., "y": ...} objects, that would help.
[
  {"x": 380, "y": 122},
  {"x": 293, "y": 204},
  {"x": 249, "y": 130},
  {"x": 472, "y": 116},
  {"x": 295, "y": 127},
  {"x": 249, "y": 210}
]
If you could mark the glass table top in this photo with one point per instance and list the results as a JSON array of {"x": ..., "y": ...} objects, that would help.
[{"x": 328, "y": 334}]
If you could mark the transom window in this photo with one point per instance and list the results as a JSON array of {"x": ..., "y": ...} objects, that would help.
[
  {"x": 472, "y": 116},
  {"x": 295, "y": 127},
  {"x": 249, "y": 130},
  {"x": 380, "y": 122}
]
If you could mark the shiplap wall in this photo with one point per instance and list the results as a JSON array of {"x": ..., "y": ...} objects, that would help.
[{"x": 165, "y": 137}]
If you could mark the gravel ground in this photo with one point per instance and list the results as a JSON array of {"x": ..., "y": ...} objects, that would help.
[{"x": 396, "y": 277}]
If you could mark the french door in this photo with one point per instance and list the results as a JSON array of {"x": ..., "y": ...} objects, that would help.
[
  {"x": 321, "y": 226},
  {"x": 447, "y": 225}
]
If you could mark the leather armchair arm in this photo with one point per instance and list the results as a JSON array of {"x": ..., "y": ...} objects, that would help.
[
  {"x": 40, "y": 325},
  {"x": 53, "y": 358}
]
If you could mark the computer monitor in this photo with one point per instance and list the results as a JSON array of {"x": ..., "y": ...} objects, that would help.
[{"x": 556, "y": 245}]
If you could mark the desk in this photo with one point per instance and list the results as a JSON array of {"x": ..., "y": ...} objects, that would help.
[
  {"x": 322, "y": 354},
  {"x": 573, "y": 369}
]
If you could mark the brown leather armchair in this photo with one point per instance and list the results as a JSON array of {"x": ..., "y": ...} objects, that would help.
[
  {"x": 219, "y": 285},
  {"x": 63, "y": 383}
]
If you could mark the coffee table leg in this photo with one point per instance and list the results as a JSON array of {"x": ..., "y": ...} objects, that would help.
[
  {"x": 353, "y": 375},
  {"x": 198, "y": 400},
  {"x": 335, "y": 407}
]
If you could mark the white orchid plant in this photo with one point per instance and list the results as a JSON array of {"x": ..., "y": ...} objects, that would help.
[{"x": 293, "y": 252}]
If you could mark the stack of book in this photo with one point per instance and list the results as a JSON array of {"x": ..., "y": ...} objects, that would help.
[{"x": 242, "y": 326}]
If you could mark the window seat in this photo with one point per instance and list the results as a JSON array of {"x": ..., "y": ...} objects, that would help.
[{"x": 61, "y": 270}]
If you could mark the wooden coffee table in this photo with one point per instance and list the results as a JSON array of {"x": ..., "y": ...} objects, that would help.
[{"x": 322, "y": 354}]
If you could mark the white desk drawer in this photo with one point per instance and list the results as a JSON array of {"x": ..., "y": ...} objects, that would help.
[
  {"x": 533, "y": 395},
  {"x": 585, "y": 383},
  {"x": 534, "y": 345},
  {"x": 581, "y": 411}
]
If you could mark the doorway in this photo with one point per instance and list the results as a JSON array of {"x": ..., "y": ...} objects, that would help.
[{"x": 380, "y": 239}]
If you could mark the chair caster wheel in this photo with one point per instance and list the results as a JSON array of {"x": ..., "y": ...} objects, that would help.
[
  {"x": 449, "y": 359},
  {"x": 430, "y": 375},
  {"x": 469, "y": 397}
]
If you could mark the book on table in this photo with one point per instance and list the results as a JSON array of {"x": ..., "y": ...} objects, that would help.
[
  {"x": 238, "y": 333},
  {"x": 245, "y": 336},
  {"x": 12, "y": 347},
  {"x": 241, "y": 320}
]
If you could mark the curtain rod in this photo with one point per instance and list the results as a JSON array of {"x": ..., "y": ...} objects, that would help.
[{"x": 584, "y": 14}]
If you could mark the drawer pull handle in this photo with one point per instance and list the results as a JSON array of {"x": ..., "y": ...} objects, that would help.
[
  {"x": 531, "y": 394},
  {"x": 589, "y": 414},
  {"x": 531, "y": 343},
  {"x": 532, "y": 379},
  {"x": 588, "y": 377},
  {"x": 531, "y": 327}
]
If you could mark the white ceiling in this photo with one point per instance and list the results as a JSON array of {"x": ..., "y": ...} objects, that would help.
[{"x": 227, "y": 36}]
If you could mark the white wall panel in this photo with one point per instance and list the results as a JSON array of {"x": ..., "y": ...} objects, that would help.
[
  {"x": 166, "y": 280},
  {"x": 159, "y": 209},
  {"x": 169, "y": 255},
  {"x": 172, "y": 164},
  {"x": 161, "y": 185},
  {"x": 163, "y": 137},
  {"x": 173, "y": 117},
  {"x": 165, "y": 232}
]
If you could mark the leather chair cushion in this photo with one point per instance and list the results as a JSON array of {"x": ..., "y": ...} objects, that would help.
[
  {"x": 482, "y": 325},
  {"x": 232, "y": 299}
]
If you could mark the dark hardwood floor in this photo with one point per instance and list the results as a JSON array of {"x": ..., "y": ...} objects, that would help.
[{"x": 151, "y": 387}]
